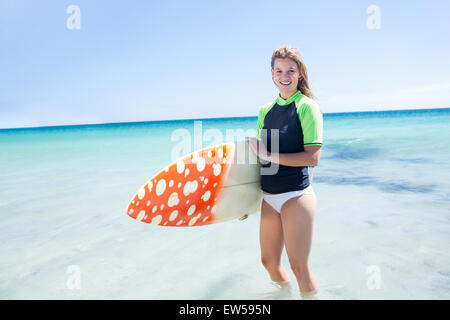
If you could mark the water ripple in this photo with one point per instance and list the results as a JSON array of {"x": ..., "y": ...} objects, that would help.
[
  {"x": 349, "y": 152},
  {"x": 388, "y": 186}
]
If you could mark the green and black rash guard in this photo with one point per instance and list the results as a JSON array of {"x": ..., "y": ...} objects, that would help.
[{"x": 299, "y": 122}]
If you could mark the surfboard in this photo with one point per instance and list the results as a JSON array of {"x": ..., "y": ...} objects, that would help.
[{"x": 216, "y": 184}]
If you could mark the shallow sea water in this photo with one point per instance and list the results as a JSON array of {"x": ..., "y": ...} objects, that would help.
[{"x": 381, "y": 230}]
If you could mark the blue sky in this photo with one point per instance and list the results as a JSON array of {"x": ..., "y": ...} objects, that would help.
[{"x": 155, "y": 60}]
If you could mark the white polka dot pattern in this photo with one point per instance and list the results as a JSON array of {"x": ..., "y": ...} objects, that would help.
[{"x": 185, "y": 192}]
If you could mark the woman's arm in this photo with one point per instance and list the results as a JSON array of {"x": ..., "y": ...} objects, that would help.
[{"x": 310, "y": 157}]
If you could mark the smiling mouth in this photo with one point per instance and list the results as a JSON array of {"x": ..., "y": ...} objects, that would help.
[{"x": 285, "y": 83}]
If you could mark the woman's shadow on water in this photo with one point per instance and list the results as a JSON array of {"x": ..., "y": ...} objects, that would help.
[
  {"x": 236, "y": 286},
  {"x": 278, "y": 292}
]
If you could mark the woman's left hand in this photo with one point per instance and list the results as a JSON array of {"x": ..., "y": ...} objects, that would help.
[{"x": 258, "y": 148}]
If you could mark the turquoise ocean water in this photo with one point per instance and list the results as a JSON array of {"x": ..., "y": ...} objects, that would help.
[{"x": 381, "y": 230}]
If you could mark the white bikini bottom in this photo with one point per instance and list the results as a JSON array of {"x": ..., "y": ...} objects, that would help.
[{"x": 276, "y": 201}]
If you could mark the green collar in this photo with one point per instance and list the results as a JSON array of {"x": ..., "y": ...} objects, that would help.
[{"x": 282, "y": 102}]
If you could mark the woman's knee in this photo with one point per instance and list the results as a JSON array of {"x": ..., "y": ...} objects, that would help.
[
  {"x": 299, "y": 267},
  {"x": 270, "y": 263}
]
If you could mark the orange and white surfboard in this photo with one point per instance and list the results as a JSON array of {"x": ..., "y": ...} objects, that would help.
[{"x": 216, "y": 184}]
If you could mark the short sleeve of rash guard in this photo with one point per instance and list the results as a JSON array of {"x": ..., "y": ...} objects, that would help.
[
  {"x": 311, "y": 120},
  {"x": 262, "y": 114}
]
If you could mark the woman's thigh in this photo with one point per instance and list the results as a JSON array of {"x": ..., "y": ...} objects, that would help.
[
  {"x": 297, "y": 216},
  {"x": 271, "y": 234}
]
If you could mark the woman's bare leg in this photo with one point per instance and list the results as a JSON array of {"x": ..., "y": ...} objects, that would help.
[
  {"x": 297, "y": 215},
  {"x": 271, "y": 242}
]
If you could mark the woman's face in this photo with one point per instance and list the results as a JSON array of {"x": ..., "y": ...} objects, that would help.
[{"x": 285, "y": 74}]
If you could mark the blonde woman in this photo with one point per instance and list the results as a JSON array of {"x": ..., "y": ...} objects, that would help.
[{"x": 292, "y": 124}]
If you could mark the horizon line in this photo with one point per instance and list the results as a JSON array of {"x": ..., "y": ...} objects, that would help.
[{"x": 211, "y": 118}]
